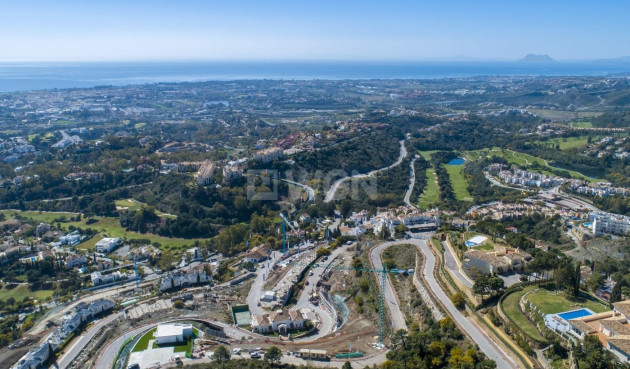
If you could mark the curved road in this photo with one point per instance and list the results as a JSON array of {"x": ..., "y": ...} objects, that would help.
[
  {"x": 309, "y": 191},
  {"x": 412, "y": 182},
  {"x": 79, "y": 344},
  {"x": 330, "y": 195},
  {"x": 477, "y": 335}
]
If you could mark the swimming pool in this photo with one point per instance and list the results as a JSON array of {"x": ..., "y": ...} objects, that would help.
[
  {"x": 588, "y": 224},
  {"x": 457, "y": 161},
  {"x": 575, "y": 314}
]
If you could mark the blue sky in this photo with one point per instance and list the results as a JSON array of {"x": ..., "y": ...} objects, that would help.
[{"x": 59, "y": 30}]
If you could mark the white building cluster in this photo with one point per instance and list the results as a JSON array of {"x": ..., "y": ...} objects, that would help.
[
  {"x": 185, "y": 277},
  {"x": 608, "y": 223},
  {"x": 99, "y": 278},
  {"x": 597, "y": 189},
  {"x": 37, "y": 356},
  {"x": 205, "y": 173},
  {"x": 107, "y": 245},
  {"x": 233, "y": 170},
  {"x": 389, "y": 219},
  {"x": 502, "y": 211},
  {"x": 530, "y": 179}
]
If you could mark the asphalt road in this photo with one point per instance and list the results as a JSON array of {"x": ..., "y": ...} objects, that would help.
[
  {"x": 330, "y": 195},
  {"x": 309, "y": 191},
  {"x": 106, "y": 360},
  {"x": 79, "y": 344},
  {"x": 391, "y": 299},
  {"x": 326, "y": 316},
  {"x": 486, "y": 344},
  {"x": 256, "y": 291},
  {"x": 451, "y": 264},
  {"x": 412, "y": 182}
]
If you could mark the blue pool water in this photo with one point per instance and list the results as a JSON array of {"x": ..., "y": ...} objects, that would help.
[
  {"x": 575, "y": 314},
  {"x": 471, "y": 244},
  {"x": 588, "y": 225},
  {"x": 457, "y": 161}
]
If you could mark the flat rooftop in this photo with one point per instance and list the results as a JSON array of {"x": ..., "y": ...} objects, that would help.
[{"x": 167, "y": 330}]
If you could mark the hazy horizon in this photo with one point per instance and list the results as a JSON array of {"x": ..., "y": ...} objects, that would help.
[{"x": 249, "y": 30}]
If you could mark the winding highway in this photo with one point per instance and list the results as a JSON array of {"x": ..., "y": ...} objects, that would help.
[
  {"x": 330, "y": 195},
  {"x": 309, "y": 191},
  {"x": 412, "y": 182}
]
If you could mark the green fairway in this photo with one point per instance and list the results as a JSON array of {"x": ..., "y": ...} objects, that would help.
[
  {"x": 108, "y": 226},
  {"x": 427, "y": 154},
  {"x": 458, "y": 182},
  {"x": 431, "y": 190},
  {"x": 525, "y": 160},
  {"x": 134, "y": 205},
  {"x": 567, "y": 143},
  {"x": 21, "y": 291}
]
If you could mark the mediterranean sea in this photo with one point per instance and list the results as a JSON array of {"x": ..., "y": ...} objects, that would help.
[{"x": 37, "y": 76}]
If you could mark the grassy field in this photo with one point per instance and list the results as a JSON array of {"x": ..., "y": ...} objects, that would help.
[
  {"x": 511, "y": 308},
  {"x": 549, "y": 302},
  {"x": 10, "y": 132},
  {"x": 427, "y": 154},
  {"x": 581, "y": 124},
  {"x": 134, "y": 205},
  {"x": 90, "y": 244},
  {"x": 563, "y": 115},
  {"x": 21, "y": 291},
  {"x": 431, "y": 190},
  {"x": 143, "y": 342},
  {"x": 106, "y": 225},
  {"x": 139, "y": 125},
  {"x": 524, "y": 160},
  {"x": 568, "y": 143},
  {"x": 458, "y": 182}
]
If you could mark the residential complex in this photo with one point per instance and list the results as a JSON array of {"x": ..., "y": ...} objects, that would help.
[
  {"x": 500, "y": 260},
  {"x": 107, "y": 245},
  {"x": 281, "y": 321},
  {"x": 269, "y": 154},
  {"x": 608, "y": 223},
  {"x": 193, "y": 275}
]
